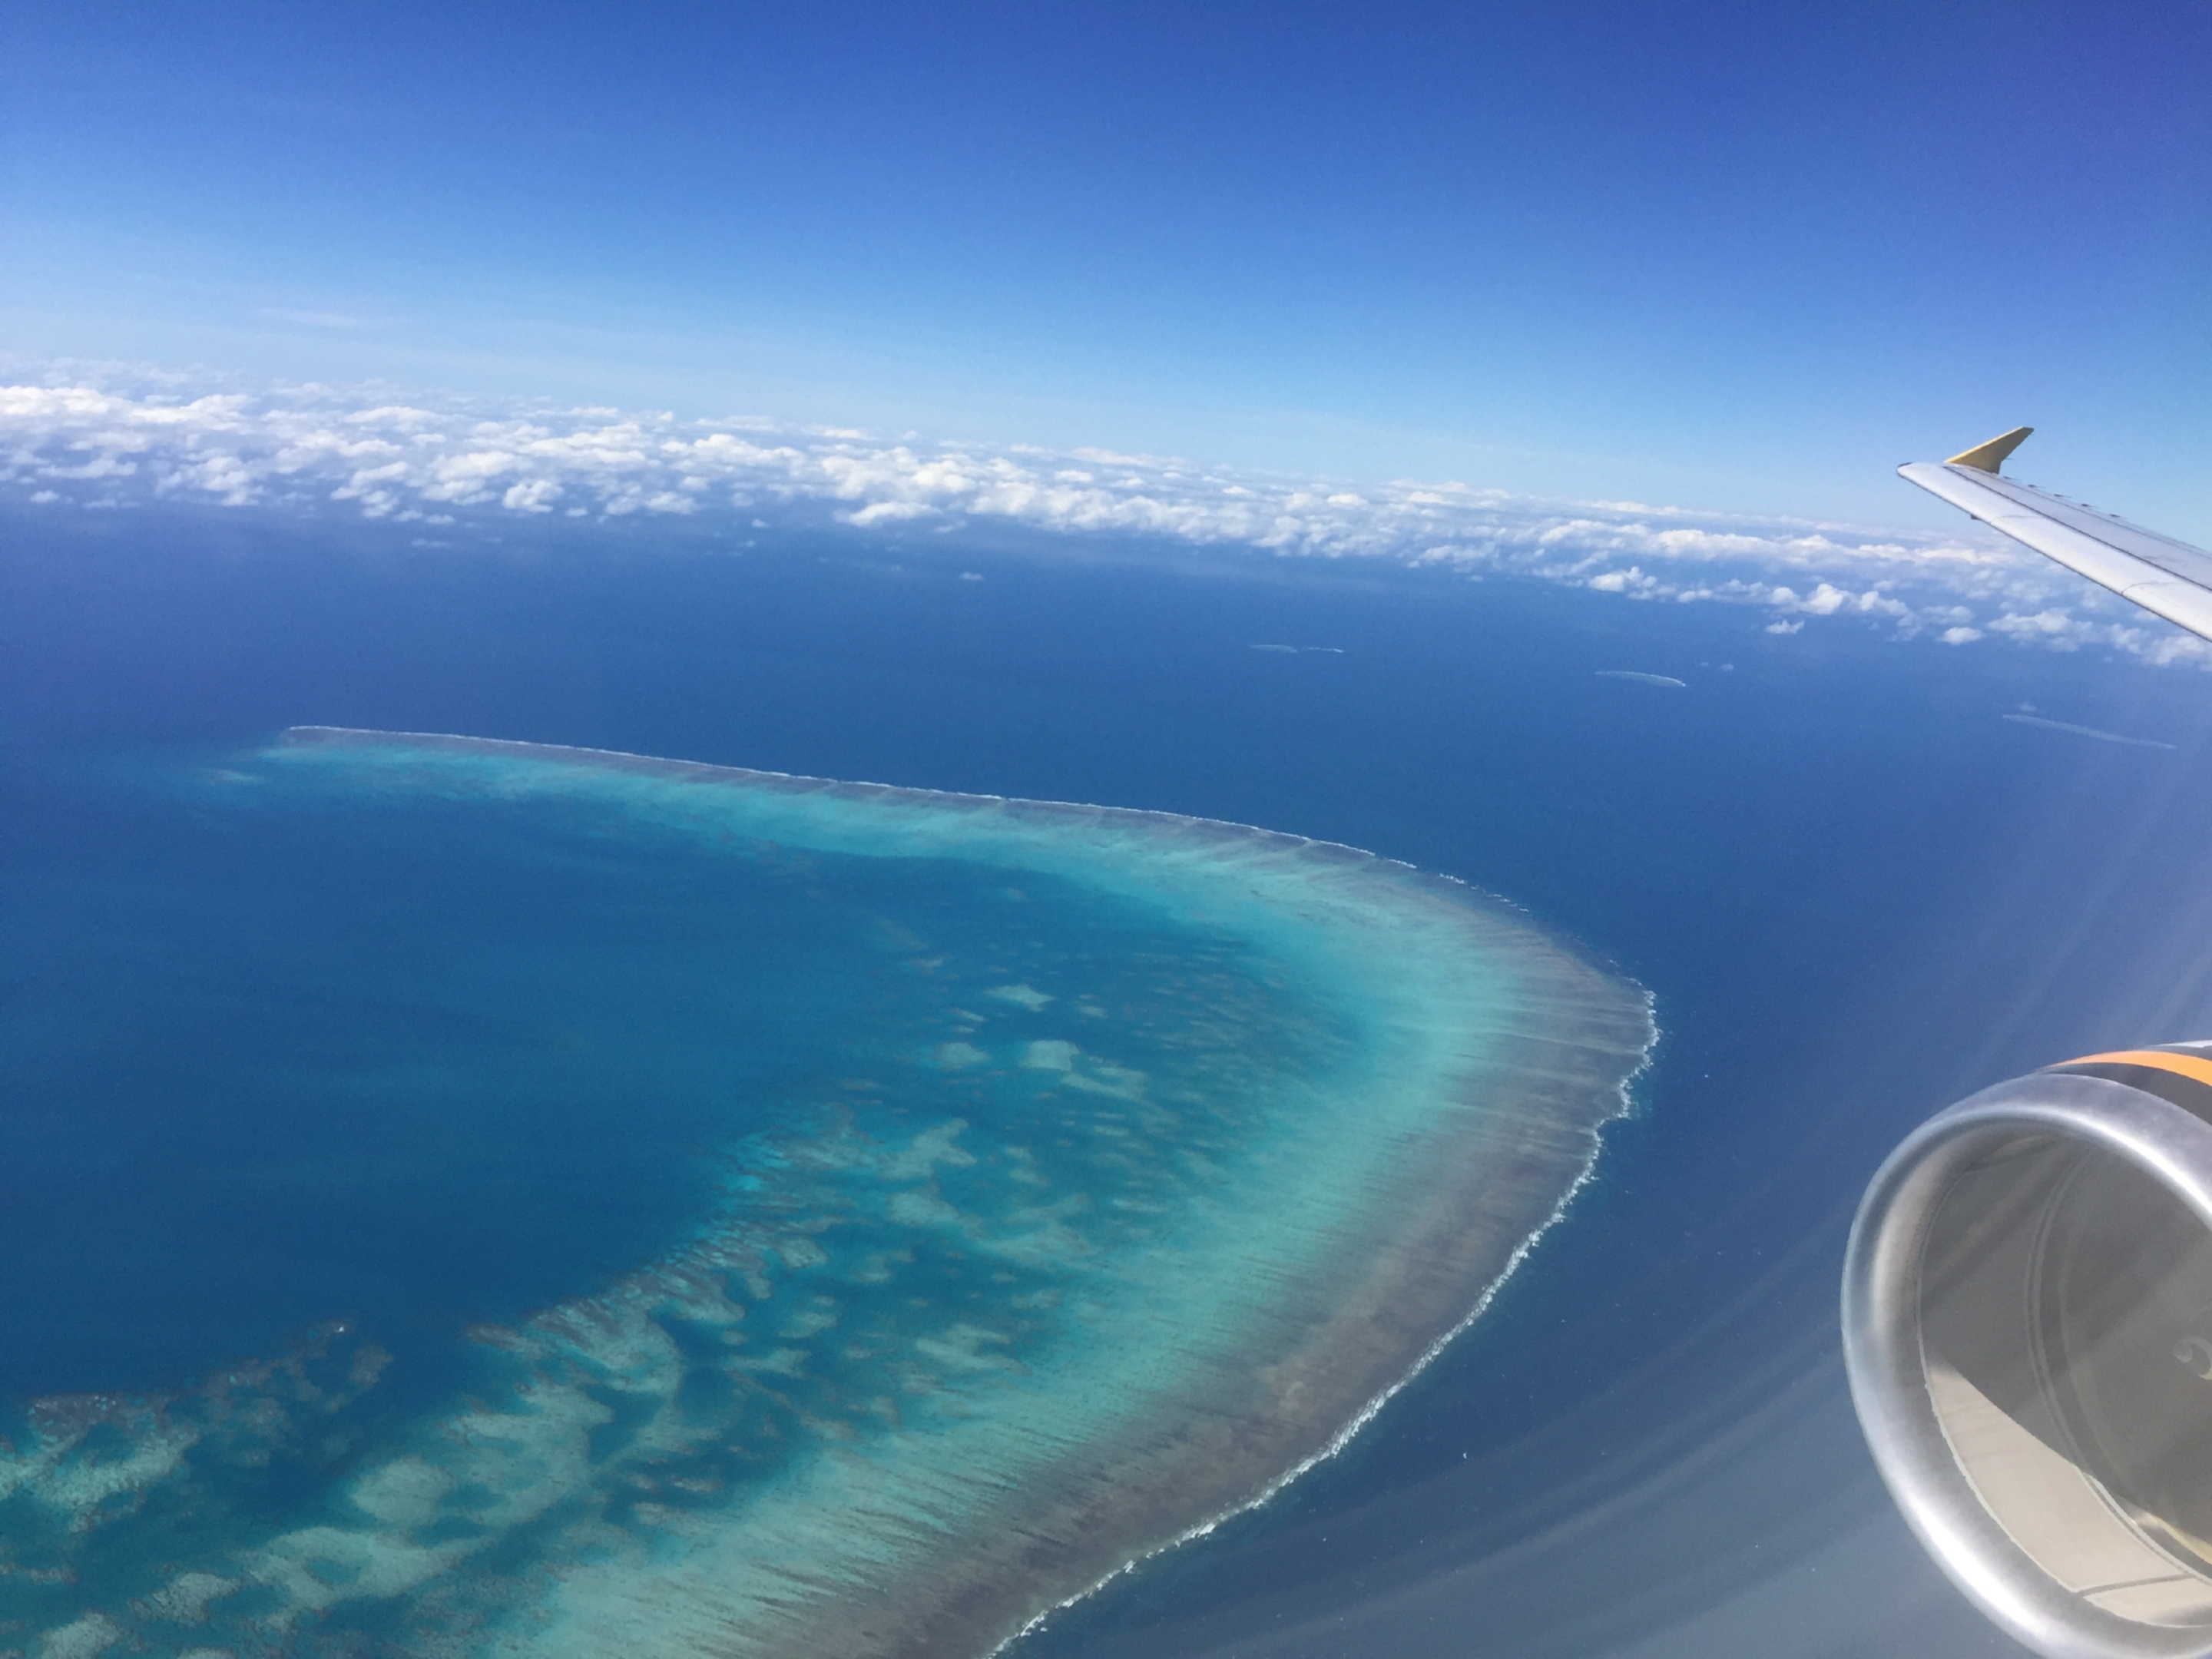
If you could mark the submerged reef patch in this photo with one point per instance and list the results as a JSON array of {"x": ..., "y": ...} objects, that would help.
[{"x": 1129, "y": 1162}]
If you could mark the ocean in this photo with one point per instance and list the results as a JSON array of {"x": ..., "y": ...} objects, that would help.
[{"x": 1854, "y": 888}]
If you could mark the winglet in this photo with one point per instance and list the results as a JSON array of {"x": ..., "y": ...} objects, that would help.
[{"x": 1990, "y": 455}]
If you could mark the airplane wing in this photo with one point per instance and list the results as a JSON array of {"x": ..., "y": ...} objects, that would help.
[{"x": 2168, "y": 578}]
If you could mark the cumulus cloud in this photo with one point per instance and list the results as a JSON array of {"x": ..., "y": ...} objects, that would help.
[{"x": 117, "y": 439}]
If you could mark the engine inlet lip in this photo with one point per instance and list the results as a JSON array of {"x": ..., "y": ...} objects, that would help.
[{"x": 1884, "y": 1358}]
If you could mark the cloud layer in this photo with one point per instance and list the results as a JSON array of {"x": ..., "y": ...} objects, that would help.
[{"x": 109, "y": 440}]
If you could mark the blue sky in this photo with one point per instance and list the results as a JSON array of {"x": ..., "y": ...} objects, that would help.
[{"x": 1743, "y": 256}]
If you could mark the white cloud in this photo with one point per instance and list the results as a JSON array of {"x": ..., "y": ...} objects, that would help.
[
  {"x": 888, "y": 513},
  {"x": 536, "y": 495},
  {"x": 114, "y": 438}
]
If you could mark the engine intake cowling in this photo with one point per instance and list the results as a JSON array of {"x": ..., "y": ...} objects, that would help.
[{"x": 2027, "y": 1324}]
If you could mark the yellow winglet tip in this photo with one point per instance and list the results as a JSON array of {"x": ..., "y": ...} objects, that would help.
[{"x": 1990, "y": 455}]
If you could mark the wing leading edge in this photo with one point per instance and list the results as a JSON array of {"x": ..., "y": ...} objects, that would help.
[{"x": 2168, "y": 578}]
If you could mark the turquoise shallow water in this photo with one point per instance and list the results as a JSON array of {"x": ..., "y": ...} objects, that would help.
[{"x": 1006, "y": 1190}]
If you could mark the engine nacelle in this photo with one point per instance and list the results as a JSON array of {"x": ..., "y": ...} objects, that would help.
[{"x": 2027, "y": 1323}]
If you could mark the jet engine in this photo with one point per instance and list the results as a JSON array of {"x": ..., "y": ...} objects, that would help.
[{"x": 2027, "y": 1324}]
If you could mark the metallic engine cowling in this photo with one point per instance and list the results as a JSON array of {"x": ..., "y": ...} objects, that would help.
[{"x": 2028, "y": 1325}]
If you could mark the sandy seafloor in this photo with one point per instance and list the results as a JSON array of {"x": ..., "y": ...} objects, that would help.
[{"x": 1856, "y": 890}]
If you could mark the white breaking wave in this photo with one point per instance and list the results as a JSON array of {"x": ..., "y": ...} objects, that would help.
[{"x": 106, "y": 438}]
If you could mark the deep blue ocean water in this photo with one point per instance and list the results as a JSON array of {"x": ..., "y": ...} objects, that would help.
[
  {"x": 210, "y": 992},
  {"x": 1855, "y": 891}
]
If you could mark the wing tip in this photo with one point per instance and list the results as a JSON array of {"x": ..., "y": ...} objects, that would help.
[{"x": 1990, "y": 457}]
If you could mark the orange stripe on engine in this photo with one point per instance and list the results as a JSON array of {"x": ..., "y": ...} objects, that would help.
[{"x": 2192, "y": 1066}]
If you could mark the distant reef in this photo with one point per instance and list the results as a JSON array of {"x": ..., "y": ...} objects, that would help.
[{"x": 1179, "y": 1146}]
